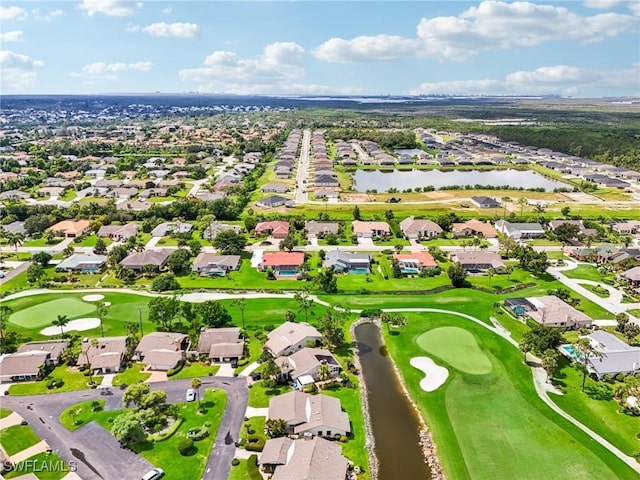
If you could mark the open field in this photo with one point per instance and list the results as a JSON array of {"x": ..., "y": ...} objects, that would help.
[{"x": 531, "y": 441}]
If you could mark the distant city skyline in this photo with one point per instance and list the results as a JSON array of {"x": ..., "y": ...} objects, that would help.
[{"x": 587, "y": 48}]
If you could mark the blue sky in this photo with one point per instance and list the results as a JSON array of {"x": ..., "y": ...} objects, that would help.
[{"x": 588, "y": 48}]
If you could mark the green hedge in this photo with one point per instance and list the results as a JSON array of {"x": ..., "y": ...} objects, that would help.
[
  {"x": 254, "y": 444},
  {"x": 252, "y": 468},
  {"x": 158, "y": 437},
  {"x": 172, "y": 371}
]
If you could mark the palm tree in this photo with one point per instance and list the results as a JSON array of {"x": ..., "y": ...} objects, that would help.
[
  {"x": 93, "y": 344},
  {"x": 587, "y": 349},
  {"x": 61, "y": 322},
  {"x": 101, "y": 311},
  {"x": 490, "y": 273},
  {"x": 196, "y": 384},
  {"x": 15, "y": 239},
  {"x": 324, "y": 373},
  {"x": 505, "y": 200},
  {"x": 522, "y": 202},
  {"x": 509, "y": 271},
  {"x": 241, "y": 304}
]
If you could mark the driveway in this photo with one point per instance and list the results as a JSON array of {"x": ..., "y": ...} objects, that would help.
[
  {"x": 15, "y": 272},
  {"x": 365, "y": 242}
]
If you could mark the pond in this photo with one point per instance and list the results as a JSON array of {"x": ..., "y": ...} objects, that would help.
[
  {"x": 382, "y": 181},
  {"x": 394, "y": 423}
]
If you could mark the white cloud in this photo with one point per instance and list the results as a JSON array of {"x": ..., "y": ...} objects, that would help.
[
  {"x": 602, "y": 4},
  {"x": 51, "y": 15},
  {"x": 18, "y": 71},
  {"x": 177, "y": 30},
  {"x": 12, "y": 36},
  {"x": 278, "y": 69},
  {"x": 112, "y": 8},
  {"x": 547, "y": 80},
  {"x": 8, "y": 13},
  {"x": 489, "y": 26},
  {"x": 167, "y": 11},
  {"x": 98, "y": 71}
]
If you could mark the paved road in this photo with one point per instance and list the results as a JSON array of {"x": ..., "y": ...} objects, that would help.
[
  {"x": 98, "y": 455},
  {"x": 15, "y": 272},
  {"x": 303, "y": 167}
]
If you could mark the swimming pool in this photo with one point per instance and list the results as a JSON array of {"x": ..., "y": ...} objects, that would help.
[
  {"x": 360, "y": 271},
  {"x": 286, "y": 273},
  {"x": 570, "y": 352}
]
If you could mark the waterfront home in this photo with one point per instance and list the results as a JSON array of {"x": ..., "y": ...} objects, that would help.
[
  {"x": 473, "y": 227},
  {"x": 520, "y": 231},
  {"x": 305, "y": 458},
  {"x": 82, "y": 263},
  {"x": 348, "y": 262},
  {"x": 107, "y": 356},
  {"x": 478, "y": 260},
  {"x": 549, "y": 311},
  {"x": 221, "y": 345},
  {"x": 318, "y": 415},
  {"x": 283, "y": 264},
  {"x": 276, "y": 229},
  {"x": 210, "y": 264},
  {"x": 303, "y": 366},
  {"x": 370, "y": 229},
  {"x": 290, "y": 337},
  {"x": 162, "y": 350},
  {"x": 417, "y": 229}
]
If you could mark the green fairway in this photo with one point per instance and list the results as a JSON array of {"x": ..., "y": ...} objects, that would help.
[
  {"x": 457, "y": 347},
  {"x": 43, "y": 314},
  {"x": 494, "y": 425}
]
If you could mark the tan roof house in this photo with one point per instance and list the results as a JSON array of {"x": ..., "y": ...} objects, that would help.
[
  {"x": 478, "y": 260},
  {"x": 119, "y": 233},
  {"x": 22, "y": 366},
  {"x": 319, "y": 415},
  {"x": 473, "y": 227},
  {"x": 70, "y": 228},
  {"x": 162, "y": 350},
  {"x": 291, "y": 337},
  {"x": 419, "y": 229},
  {"x": 370, "y": 229},
  {"x": 53, "y": 347},
  {"x": 320, "y": 229},
  {"x": 221, "y": 344},
  {"x": 306, "y": 363},
  {"x": 137, "y": 260},
  {"x": 106, "y": 357},
  {"x": 552, "y": 311},
  {"x": 307, "y": 458}
]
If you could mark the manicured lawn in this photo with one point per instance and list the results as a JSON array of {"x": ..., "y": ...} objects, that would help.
[
  {"x": 77, "y": 415},
  {"x": 246, "y": 470},
  {"x": 259, "y": 395},
  {"x": 57, "y": 468},
  {"x": 16, "y": 438},
  {"x": 585, "y": 272},
  {"x": 41, "y": 242},
  {"x": 516, "y": 327},
  {"x": 496, "y": 416},
  {"x": 133, "y": 374},
  {"x": 90, "y": 241},
  {"x": 457, "y": 347},
  {"x": 196, "y": 369},
  {"x": 596, "y": 408},
  {"x": 44, "y": 313},
  {"x": 599, "y": 291},
  {"x": 5, "y": 412},
  {"x": 73, "y": 380}
]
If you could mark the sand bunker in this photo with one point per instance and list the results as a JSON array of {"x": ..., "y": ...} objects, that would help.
[
  {"x": 106, "y": 304},
  {"x": 435, "y": 375},
  {"x": 93, "y": 298},
  {"x": 78, "y": 324}
]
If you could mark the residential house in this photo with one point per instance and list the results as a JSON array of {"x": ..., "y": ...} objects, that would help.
[
  {"x": 123, "y": 193},
  {"x": 317, "y": 415},
  {"x": 415, "y": 262},
  {"x": 171, "y": 228},
  {"x": 111, "y": 184},
  {"x": 53, "y": 347},
  {"x": 275, "y": 229},
  {"x": 133, "y": 206},
  {"x": 370, "y": 229},
  {"x": 347, "y": 262},
  {"x": 632, "y": 276},
  {"x": 283, "y": 264},
  {"x": 162, "y": 350},
  {"x": 23, "y": 366},
  {"x": 485, "y": 202},
  {"x": 82, "y": 263},
  {"x": 325, "y": 181},
  {"x": 627, "y": 228},
  {"x": 213, "y": 229},
  {"x": 324, "y": 193},
  {"x": 14, "y": 195},
  {"x": 107, "y": 356},
  {"x": 275, "y": 187},
  {"x": 520, "y": 231},
  {"x": 303, "y": 366},
  {"x": 14, "y": 227},
  {"x": 478, "y": 260},
  {"x": 272, "y": 202},
  {"x": 550, "y": 311},
  {"x": 290, "y": 337},
  {"x": 472, "y": 228},
  {"x": 417, "y": 229},
  {"x": 137, "y": 260},
  {"x": 221, "y": 345},
  {"x": 615, "y": 356},
  {"x": 582, "y": 230},
  {"x": 320, "y": 229},
  {"x": 306, "y": 458},
  {"x": 147, "y": 193},
  {"x": 70, "y": 228},
  {"x": 210, "y": 264},
  {"x": 50, "y": 191},
  {"x": 118, "y": 233}
]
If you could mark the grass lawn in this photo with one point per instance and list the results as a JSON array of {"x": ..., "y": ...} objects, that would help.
[
  {"x": 599, "y": 291},
  {"x": 259, "y": 395},
  {"x": 90, "y": 241},
  {"x": 58, "y": 468},
  {"x": 496, "y": 416},
  {"x": 196, "y": 369},
  {"x": 5, "y": 412},
  {"x": 73, "y": 380},
  {"x": 585, "y": 272},
  {"x": 44, "y": 313},
  {"x": 596, "y": 408},
  {"x": 41, "y": 242},
  {"x": 133, "y": 374},
  {"x": 246, "y": 470},
  {"x": 16, "y": 438},
  {"x": 77, "y": 415}
]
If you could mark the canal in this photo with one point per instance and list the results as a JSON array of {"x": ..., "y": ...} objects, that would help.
[{"x": 395, "y": 425}]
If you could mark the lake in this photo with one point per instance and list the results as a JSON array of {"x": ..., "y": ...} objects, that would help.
[
  {"x": 394, "y": 423},
  {"x": 381, "y": 181}
]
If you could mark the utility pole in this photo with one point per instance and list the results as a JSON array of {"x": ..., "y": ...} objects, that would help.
[{"x": 140, "y": 320}]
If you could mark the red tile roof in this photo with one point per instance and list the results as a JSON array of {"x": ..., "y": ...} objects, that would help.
[{"x": 273, "y": 259}]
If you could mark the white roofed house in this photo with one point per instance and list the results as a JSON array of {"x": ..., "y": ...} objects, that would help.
[
  {"x": 303, "y": 366},
  {"x": 210, "y": 264},
  {"x": 616, "y": 357},
  {"x": 291, "y": 337},
  {"x": 520, "y": 231},
  {"x": 82, "y": 262},
  {"x": 319, "y": 415}
]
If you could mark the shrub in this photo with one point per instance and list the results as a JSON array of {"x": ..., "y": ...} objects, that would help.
[
  {"x": 185, "y": 446},
  {"x": 235, "y": 462},
  {"x": 254, "y": 444},
  {"x": 55, "y": 383},
  {"x": 172, "y": 371}
]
